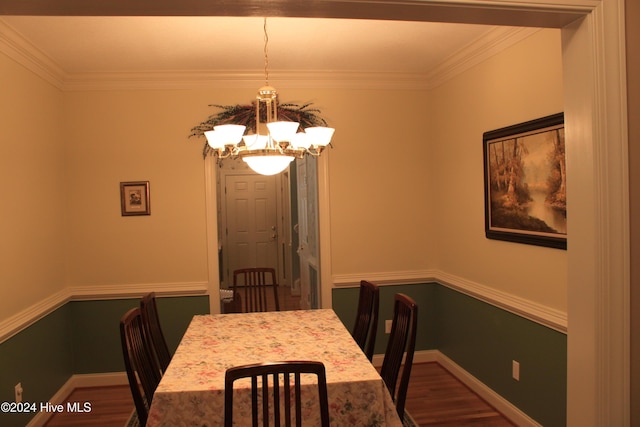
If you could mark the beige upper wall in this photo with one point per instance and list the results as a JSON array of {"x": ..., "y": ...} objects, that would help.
[
  {"x": 378, "y": 174},
  {"x": 385, "y": 214},
  {"x": 521, "y": 83},
  {"x": 113, "y": 137},
  {"x": 142, "y": 135},
  {"x": 32, "y": 186},
  {"x": 388, "y": 213}
]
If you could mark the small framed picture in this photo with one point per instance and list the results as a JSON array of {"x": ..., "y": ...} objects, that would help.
[
  {"x": 525, "y": 183},
  {"x": 134, "y": 198}
]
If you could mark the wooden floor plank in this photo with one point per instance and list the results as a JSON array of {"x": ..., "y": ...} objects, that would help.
[
  {"x": 110, "y": 406},
  {"x": 435, "y": 399}
]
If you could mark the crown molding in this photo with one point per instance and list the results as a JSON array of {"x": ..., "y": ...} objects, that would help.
[
  {"x": 28, "y": 55},
  {"x": 290, "y": 79},
  {"x": 492, "y": 43}
]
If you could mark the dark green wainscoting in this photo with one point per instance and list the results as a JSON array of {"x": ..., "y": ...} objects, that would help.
[
  {"x": 83, "y": 337},
  {"x": 96, "y": 339},
  {"x": 345, "y": 302},
  {"x": 39, "y": 358},
  {"x": 80, "y": 337},
  {"x": 483, "y": 340}
]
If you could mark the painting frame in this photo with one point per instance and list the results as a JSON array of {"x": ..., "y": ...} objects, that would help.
[
  {"x": 135, "y": 198},
  {"x": 525, "y": 183}
]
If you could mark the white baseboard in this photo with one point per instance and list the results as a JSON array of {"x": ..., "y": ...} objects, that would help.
[
  {"x": 501, "y": 404},
  {"x": 422, "y": 356},
  {"x": 98, "y": 380},
  {"x": 77, "y": 381}
]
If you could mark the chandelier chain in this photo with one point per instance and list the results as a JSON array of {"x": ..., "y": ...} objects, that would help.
[
  {"x": 280, "y": 142},
  {"x": 266, "y": 53}
]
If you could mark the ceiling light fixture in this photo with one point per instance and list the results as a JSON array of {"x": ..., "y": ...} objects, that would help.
[{"x": 275, "y": 143}]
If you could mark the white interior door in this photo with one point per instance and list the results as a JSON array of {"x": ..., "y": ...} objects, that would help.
[
  {"x": 308, "y": 248},
  {"x": 251, "y": 223}
]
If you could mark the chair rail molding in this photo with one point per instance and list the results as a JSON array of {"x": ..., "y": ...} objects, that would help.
[
  {"x": 27, "y": 317},
  {"x": 546, "y": 316},
  {"x": 408, "y": 277}
]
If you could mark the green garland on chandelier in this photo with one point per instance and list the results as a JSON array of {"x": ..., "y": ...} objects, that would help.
[{"x": 246, "y": 115}]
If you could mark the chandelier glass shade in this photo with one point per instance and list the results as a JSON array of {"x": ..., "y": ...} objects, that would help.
[{"x": 273, "y": 144}]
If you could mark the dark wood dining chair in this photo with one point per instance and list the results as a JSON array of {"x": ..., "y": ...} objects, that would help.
[
  {"x": 402, "y": 339},
  {"x": 366, "y": 325},
  {"x": 151, "y": 320},
  {"x": 273, "y": 371},
  {"x": 253, "y": 285},
  {"x": 139, "y": 361}
]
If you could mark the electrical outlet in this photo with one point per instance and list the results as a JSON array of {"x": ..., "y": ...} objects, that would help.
[
  {"x": 18, "y": 389},
  {"x": 515, "y": 370},
  {"x": 387, "y": 326}
]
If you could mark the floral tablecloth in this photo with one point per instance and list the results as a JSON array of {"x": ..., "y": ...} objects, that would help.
[{"x": 191, "y": 392}]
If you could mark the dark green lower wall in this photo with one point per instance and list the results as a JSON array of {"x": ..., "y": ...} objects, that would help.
[
  {"x": 96, "y": 334},
  {"x": 40, "y": 359},
  {"x": 83, "y": 337},
  {"x": 483, "y": 340},
  {"x": 345, "y": 302},
  {"x": 80, "y": 337}
]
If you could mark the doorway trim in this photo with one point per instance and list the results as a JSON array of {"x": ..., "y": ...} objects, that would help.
[
  {"x": 281, "y": 199},
  {"x": 214, "y": 186}
]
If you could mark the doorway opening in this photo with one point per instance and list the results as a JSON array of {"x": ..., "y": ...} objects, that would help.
[{"x": 271, "y": 221}]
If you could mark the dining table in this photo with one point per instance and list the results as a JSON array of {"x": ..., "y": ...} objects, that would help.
[{"x": 191, "y": 391}]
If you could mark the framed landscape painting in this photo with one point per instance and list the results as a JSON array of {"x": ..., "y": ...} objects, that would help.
[{"x": 525, "y": 183}]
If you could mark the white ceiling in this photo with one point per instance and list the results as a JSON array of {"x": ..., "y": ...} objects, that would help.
[{"x": 227, "y": 44}]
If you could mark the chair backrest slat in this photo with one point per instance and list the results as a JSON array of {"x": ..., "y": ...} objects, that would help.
[
  {"x": 402, "y": 339},
  {"x": 366, "y": 326},
  {"x": 253, "y": 286},
  {"x": 140, "y": 362},
  {"x": 149, "y": 309},
  {"x": 272, "y": 372}
]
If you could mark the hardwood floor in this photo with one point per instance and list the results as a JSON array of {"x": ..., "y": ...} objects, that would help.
[
  {"x": 435, "y": 398},
  {"x": 110, "y": 407}
]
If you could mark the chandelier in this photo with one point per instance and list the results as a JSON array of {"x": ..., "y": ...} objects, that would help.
[{"x": 275, "y": 143}]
